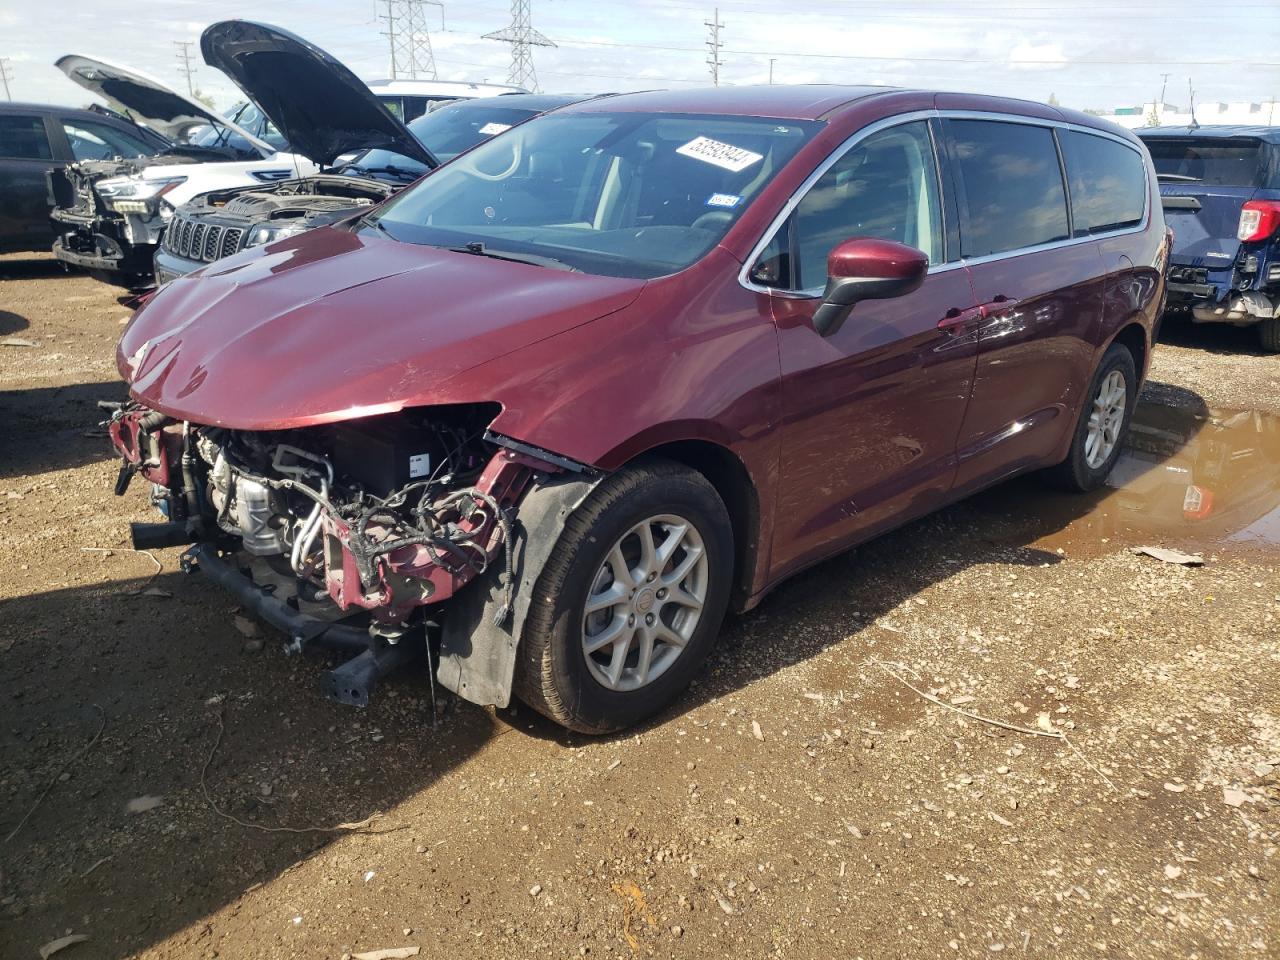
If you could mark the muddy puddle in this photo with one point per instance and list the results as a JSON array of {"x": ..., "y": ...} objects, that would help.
[{"x": 1206, "y": 480}]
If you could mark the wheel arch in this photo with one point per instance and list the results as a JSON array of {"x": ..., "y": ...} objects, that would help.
[
  {"x": 732, "y": 481},
  {"x": 1133, "y": 337}
]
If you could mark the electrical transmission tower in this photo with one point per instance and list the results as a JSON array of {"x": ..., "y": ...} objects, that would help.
[
  {"x": 5, "y": 76},
  {"x": 411, "y": 54},
  {"x": 522, "y": 37},
  {"x": 714, "y": 43},
  {"x": 184, "y": 57}
]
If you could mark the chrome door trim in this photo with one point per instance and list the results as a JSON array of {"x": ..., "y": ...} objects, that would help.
[{"x": 885, "y": 123}]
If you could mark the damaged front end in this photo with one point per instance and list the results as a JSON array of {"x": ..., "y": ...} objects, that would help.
[
  {"x": 349, "y": 535},
  {"x": 109, "y": 218}
]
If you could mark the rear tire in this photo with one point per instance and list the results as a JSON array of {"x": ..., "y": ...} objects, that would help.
[
  {"x": 568, "y": 667},
  {"x": 1103, "y": 424},
  {"x": 1269, "y": 334}
]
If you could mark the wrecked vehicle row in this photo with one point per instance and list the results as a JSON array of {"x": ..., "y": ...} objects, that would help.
[
  {"x": 281, "y": 163},
  {"x": 327, "y": 114},
  {"x": 111, "y": 214}
]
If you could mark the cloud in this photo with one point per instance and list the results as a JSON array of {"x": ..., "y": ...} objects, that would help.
[
  {"x": 1038, "y": 56},
  {"x": 619, "y": 45}
]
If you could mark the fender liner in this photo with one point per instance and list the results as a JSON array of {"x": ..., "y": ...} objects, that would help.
[{"x": 477, "y": 654}]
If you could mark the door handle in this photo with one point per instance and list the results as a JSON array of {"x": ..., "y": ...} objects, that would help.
[
  {"x": 956, "y": 318},
  {"x": 998, "y": 305}
]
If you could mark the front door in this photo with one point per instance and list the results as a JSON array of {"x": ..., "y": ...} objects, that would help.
[
  {"x": 26, "y": 155},
  {"x": 872, "y": 412}
]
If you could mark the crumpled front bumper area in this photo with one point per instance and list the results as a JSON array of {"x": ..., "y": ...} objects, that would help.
[{"x": 309, "y": 547}]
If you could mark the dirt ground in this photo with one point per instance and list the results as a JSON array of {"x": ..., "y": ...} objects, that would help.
[{"x": 802, "y": 801}]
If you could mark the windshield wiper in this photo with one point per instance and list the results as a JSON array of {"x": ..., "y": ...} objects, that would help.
[
  {"x": 372, "y": 220},
  {"x": 477, "y": 249},
  {"x": 1178, "y": 177}
]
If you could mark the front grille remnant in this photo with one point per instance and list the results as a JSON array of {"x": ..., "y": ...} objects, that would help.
[{"x": 196, "y": 240}]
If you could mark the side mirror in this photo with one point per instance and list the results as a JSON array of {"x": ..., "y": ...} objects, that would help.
[{"x": 867, "y": 269}]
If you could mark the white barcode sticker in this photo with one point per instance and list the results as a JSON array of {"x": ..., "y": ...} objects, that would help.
[
  {"x": 723, "y": 200},
  {"x": 724, "y": 155},
  {"x": 493, "y": 129}
]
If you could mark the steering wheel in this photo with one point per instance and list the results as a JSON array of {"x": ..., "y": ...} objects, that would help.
[
  {"x": 517, "y": 152},
  {"x": 712, "y": 220}
]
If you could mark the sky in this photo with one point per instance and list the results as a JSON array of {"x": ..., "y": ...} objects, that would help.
[{"x": 1098, "y": 54}]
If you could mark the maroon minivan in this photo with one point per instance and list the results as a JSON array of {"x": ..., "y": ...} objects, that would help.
[{"x": 547, "y": 415}]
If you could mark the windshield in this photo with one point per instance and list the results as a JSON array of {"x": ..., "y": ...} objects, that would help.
[
  {"x": 620, "y": 194},
  {"x": 446, "y": 132},
  {"x": 1215, "y": 161},
  {"x": 249, "y": 117}
]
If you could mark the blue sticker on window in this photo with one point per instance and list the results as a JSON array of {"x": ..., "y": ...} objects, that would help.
[{"x": 723, "y": 200}]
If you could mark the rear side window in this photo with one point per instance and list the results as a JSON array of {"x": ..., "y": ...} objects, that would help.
[
  {"x": 1215, "y": 161},
  {"x": 1012, "y": 189},
  {"x": 1108, "y": 183},
  {"x": 24, "y": 138}
]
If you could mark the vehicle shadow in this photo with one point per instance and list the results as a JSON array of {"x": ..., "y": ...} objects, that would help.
[
  {"x": 163, "y": 673},
  {"x": 32, "y": 267},
  {"x": 1222, "y": 338},
  {"x": 169, "y": 668},
  {"x": 12, "y": 322},
  {"x": 54, "y": 428},
  {"x": 845, "y": 596}
]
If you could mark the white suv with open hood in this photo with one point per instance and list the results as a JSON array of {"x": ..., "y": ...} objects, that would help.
[{"x": 111, "y": 214}]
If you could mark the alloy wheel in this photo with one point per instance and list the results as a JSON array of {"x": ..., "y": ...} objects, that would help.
[
  {"x": 645, "y": 602},
  {"x": 1106, "y": 419}
]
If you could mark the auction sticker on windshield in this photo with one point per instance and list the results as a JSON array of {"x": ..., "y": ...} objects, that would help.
[
  {"x": 493, "y": 129},
  {"x": 724, "y": 155}
]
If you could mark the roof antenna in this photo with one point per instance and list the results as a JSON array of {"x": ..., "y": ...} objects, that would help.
[{"x": 1195, "y": 124}]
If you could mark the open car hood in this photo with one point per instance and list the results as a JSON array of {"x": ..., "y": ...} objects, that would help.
[
  {"x": 146, "y": 100},
  {"x": 332, "y": 325},
  {"x": 322, "y": 108}
]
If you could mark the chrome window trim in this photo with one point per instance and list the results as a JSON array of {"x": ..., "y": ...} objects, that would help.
[{"x": 885, "y": 123}]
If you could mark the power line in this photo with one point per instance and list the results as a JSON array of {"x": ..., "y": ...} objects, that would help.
[
  {"x": 409, "y": 39},
  {"x": 6, "y": 76},
  {"x": 522, "y": 37},
  {"x": 804, "y": 54},
  {"x": 184, "y": 57},
  {"x": 714, "y": 43}
]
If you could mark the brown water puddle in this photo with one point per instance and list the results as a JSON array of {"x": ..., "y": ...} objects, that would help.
[{"x": 1202, "y": 480}]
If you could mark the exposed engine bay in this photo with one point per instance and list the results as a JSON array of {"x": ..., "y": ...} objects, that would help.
[
  {"x": 222, "y": 222},
  {"x": 348, "y": 530},
  {"x": 289, "y": 198}
]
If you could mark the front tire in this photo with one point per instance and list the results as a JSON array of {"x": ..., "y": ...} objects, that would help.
[
  {"x": 1103, "y": 425},
  {"x": 630, "y": 601}
]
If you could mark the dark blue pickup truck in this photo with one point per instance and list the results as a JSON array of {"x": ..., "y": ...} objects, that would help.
[{"x": 1220, "y": 188}]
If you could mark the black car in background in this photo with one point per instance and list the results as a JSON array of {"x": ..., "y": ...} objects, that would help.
[{"x": 37, "y": 138}]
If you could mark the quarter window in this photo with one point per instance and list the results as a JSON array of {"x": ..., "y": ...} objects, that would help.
[
  {"x": 24, "y": 138},
  {"x": 1012, "y": 189},
  {"x": 1108, "y": 183},
  {"x": 885, "y": 186}
]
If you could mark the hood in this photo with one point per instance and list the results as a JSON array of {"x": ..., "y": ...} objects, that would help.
[
  {"x": 322, "y": 108},
  {"x": 146, "y": 100},
  {"x": 332, "y": 325}
]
